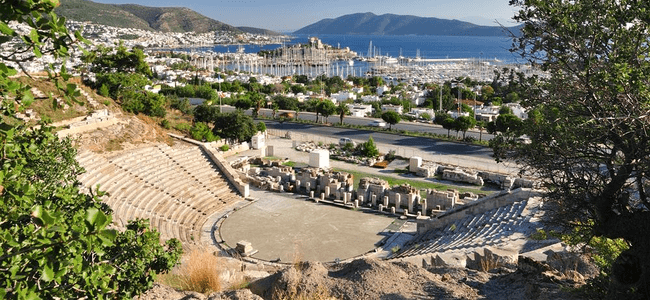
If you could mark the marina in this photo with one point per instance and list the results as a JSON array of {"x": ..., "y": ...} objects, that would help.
[{"x": 314, "y": 62}]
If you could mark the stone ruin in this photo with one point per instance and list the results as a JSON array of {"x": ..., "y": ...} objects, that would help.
[
  {"x": 459, "y": 175},
  {"x": 506, "y": 182},
  {"x": 98, "y": 116},
  {"x": 428, "y": 169},
  {"x": 325, "y": 184},
  {"x": 273, "y": 176},
  {"x": 378, "y": 194},
  {"x": 439, "y": 200}
]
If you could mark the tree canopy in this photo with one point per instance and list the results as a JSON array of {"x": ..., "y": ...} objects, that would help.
[
  {"x": 55, "y": 239},
  {"x": 391, "y": 117},
  {"x": 589, "y": 140}
]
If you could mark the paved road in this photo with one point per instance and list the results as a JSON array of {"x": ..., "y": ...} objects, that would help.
[
  {"x": 410, "y": 126},
  {"x": 431, "y": 146}
]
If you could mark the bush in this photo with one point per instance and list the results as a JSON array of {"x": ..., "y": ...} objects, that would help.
[
  {"x": 182, "y": 127},
  {"x": 165, "y": 124},
  {"x": 261, "y": 127},
  {"x": 348, "y": 147},
  {"x": 202, "y": 132},
  {"x": 103, "y": 91},
  {"x": 369, "y": 148},
  {"x": 224, "y": 148},
  {"x": 182, "y": 105}
]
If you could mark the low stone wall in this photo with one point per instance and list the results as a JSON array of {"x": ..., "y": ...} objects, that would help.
[
  {"x": 478, "y": 207},
  {"x": 224, "y": 166}
]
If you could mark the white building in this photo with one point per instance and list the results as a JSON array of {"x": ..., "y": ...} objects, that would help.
[
  {"x": 344, "y": 96},
  {"x": 360, "y": 110},
  {"x": 517, "y": 110},
  {"x": 389, "y": 107},
  {"x": 382, "y": 89},
  {"x": 418, "y": 111},
  {"x": 370, "y": 98}
]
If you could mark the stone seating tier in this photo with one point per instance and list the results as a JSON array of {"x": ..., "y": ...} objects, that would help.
[
  {"x": 177, "y": 188},
  {"x": 472, "y": 232}
]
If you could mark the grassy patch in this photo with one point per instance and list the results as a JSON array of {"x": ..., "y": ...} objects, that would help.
[
  {"x": 414, "y": 183},
  {"x": 290, "y": 164},
  {"x": 200, "y": 273}
]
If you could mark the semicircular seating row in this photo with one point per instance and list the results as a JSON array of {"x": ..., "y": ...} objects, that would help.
[
  {"x": 177, "y": 188},
  {"x": 497, "y": 227}
]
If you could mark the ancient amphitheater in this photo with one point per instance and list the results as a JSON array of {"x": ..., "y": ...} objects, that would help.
[
  {"x": 178, "y": 188},
  {"x": 188, "y": 189}
]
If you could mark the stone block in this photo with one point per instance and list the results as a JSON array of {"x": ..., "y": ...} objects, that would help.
[
  {"x": 319, "y": 159},
  {"x": 269, "y": 151},
  {"x": 245, "y": 248},
  {"x": 453, "y": 260},
  {"x": 415, "y": 163}
]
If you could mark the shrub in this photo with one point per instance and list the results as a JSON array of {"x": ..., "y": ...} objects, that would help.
[
  {"x": 182, "y": 127},
  {"x": 224, "y": 148},
  {"x": 348, "y": 147},
  {"x": 165, "y": 124},
  {"x": 103, "y": 91},
  {"x": 202, "y": 132},
  {"x": 261, "y": 127}
]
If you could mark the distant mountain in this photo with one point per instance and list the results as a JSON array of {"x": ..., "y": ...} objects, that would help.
[
  {"x": 165, "y": 19},
  {"x": 254, "y": 30},
  {"x": 390, "y": 24}
]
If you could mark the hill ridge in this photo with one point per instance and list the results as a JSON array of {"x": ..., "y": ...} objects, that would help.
[
  {"x": 163, "y": 19},
  {"x": 392, "y": 24}
]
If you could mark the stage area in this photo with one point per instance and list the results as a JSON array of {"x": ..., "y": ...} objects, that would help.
[{"x": 288, "y": 227}]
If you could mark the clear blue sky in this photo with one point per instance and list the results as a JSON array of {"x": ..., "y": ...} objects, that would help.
[{"x": 289, "y": 15}]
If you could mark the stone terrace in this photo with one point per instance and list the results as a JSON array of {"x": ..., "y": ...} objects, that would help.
[
  {"x": 508, "y": 226},
  {"x": 178, "y": 188}
]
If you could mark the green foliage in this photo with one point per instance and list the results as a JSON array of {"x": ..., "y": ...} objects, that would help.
[
  {"x": 286, "y": 103},
  {"x": 54, "y": 238},
  {"x": 605, "y": 250},
  {"x": 504, "y": 110},
  {"x": 165, "y": 124},
  {"x": 224, "y": 148},
  {"x": 103, "y": 90},
  {"x": 243, "y": 104},
  {"x": 326, "y": 108},
  {"x": 183, "y": 127},
  {"x": 117, "y": 83},
  {"x": 234, "y": 126},
  {"x": 204, "y": 91},
  {"x": 463, "y": 123},
  {"x": 391, "y": 117},
  {"x": 348, "y": 147},
  {"x": 590, "y": 122},
  {"x": 261, "y": 126},
  {"x": 144, "y": 102},
  {"x": 202, "y": 132},
  {"x": 182, "y": 104},
  {"x": 121, "y": 60},
  {"x": 368, "y": 149}
]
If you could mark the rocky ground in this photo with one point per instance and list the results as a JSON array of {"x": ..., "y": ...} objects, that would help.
[{"x": 375, "y": 279}]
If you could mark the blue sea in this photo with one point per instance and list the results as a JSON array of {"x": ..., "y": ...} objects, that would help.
[{"x": 482, "y": 47}]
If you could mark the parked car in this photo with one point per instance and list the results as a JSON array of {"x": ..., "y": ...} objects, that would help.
[
  {"x": 377, "y": 123},
  {"x": 345, "y": 141}
]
